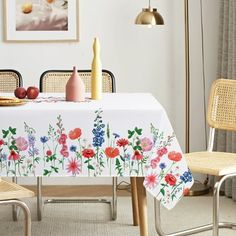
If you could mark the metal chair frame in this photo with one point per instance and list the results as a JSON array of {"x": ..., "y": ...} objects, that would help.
[
  {"x": 27, "y": 214},
  {"x": 214, "y": 123},
  {"x": 113, "y": 202},
  {"x": 111, "y": 75}
]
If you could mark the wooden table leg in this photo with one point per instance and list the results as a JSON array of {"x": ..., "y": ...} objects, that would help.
[
  {"x": 142, "y": 206},
  {"x": 134, "y": 196}
]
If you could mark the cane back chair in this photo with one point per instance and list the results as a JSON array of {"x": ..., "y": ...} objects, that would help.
[
  {"x": 54, "y": 81},
  {"x": 221, "y": 115},
  {"x": 9, "y": 194},
  {"x": 9, "y": 80}
]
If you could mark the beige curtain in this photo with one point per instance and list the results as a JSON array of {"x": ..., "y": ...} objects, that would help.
[{"x": 226, "y": 141}]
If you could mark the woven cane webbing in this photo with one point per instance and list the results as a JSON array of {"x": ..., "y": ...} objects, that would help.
[
  {"x": 9, "y": 80},
  {"x": 222, "y": 105},
  {"x": 55, "y": 81},
  {"x": 10, "y": 190}
]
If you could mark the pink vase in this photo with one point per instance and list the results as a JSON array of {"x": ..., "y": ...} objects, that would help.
[{"x": 75, "y": 89}]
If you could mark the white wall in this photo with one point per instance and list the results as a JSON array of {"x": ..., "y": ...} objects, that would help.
[{"x": 142, "y": 59}]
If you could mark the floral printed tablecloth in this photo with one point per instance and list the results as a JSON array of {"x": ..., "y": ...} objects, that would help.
[{"x": 121, "y": 135}]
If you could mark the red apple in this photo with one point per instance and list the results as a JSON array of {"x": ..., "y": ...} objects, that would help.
[
  {"x": 20, "y": 92},
  {"x": 32, "y": 92}
]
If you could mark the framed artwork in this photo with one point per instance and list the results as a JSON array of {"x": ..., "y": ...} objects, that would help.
[{"x": 41, "y": 20}]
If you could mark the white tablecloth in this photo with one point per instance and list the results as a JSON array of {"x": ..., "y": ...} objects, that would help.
[{"x": 120, "y": 135}]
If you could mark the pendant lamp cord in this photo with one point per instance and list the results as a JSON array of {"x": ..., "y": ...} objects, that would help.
[
  {"x": 204, "y": 81},
  {"x": 149, "y": 6}
]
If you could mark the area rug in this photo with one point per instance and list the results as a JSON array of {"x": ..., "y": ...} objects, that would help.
[{"x": 90, "y": 219}]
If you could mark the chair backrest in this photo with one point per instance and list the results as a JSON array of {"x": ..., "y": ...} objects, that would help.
[
  {"x": 54, "y": 81},
  {"x": 222, "y": 105},
  {"x": 10, "y": 80}
]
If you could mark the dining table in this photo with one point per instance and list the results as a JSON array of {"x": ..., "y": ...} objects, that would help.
[{"x": 120, "y": 135}]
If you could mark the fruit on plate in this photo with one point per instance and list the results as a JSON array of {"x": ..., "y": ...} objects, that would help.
[
  {"x": 20, "y": 92},
  {"x": 27, "y": 8},
  {"x": 32, "y": 92}
]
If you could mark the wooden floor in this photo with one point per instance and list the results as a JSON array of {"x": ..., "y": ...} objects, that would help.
[{"x": 81, "y": 190}]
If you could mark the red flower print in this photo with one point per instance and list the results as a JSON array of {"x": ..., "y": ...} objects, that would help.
[
  {"x": 88, "y": 153},
  {"x": 14, "y": 156},
  {"x": 150, "y": 181},
  {"x": 162, "y": 151},
  {"x": 112, "y": 152},
  {"x": 74, "y": 167},
  {"x": 49, "y": 153},
  {"x": 62, "y": 139},
  {"x": 175, "y": 156},
  {"x": 1, "y": 142},
  {"x": 186, "y": 191},
  {"x": 75, "y": 133},
  {"x": 64, "y": 151},
  {"x": 154, "y": 162},
  {"x": 170, "y": 179},
  {"x": 122, "y": 142},
  {"x": 137, "y": 156}
]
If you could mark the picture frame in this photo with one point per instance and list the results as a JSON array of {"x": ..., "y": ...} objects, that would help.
[{"x": 41, "y": 21}]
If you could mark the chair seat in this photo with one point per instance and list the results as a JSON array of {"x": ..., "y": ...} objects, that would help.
[
  {"x": 12, "y": 191},
  {"x": 212, "y": 163}
]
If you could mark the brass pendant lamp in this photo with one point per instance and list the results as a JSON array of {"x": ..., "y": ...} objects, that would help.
[{"x": 149, "y": 16}]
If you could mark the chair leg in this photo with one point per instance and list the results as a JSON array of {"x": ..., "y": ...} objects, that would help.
[
  {"x": 134, "y": 196},
  {"x": 216, "y": 200},
  {"x": 14, "y": 207},
  {"x": 39, "y": 198},
  {"x": 26, "y": 211},
  {"x": 142, "y": 206},
  {"x": 114, "y": 198}
]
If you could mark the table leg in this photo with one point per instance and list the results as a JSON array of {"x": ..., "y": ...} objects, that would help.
[
  {"x": 134, "y": 196},
  {"x": 142, "y": 206}
]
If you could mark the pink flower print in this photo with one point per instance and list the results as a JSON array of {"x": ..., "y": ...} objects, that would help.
[
  {"x": 146, "y": 144},
  {"x": 154, "y": 162},
  {"x": 151, "y": 181},
  {"x": 64, "y": 151},
  {"x": 162, "y": 151},
  {"x": 21, "y": 144},
  {"x": 62, "y": 139},
  {"x": 74, "y": 167},
  {"x": 137, "y": 156}
]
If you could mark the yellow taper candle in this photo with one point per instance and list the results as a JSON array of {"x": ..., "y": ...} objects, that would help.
[{"x": 96, "y": 77}]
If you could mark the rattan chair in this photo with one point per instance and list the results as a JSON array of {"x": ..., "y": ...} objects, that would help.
[
  {"x": 9, "y": 195},
  {"x": 54, "y": 81},
  {"x": 9, "y": 80},
  {"x": 221, "y": 115}
]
